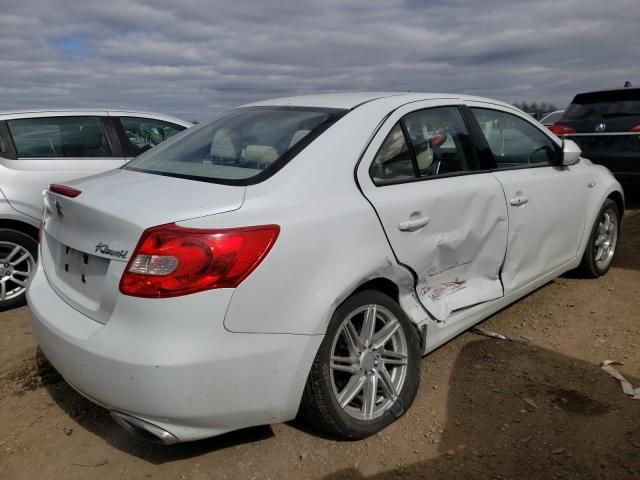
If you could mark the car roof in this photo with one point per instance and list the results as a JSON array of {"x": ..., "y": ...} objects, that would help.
[
  {"x": 36, "y": 112},
  {"x": 610, "y": 90},
  {"x": 351, "y": 100},
  {"x": 554, "y": 112}
]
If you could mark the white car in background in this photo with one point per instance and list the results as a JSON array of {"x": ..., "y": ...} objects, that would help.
[
  {"x": 302, "y": 254},
  {"x": 38, "y": 148},
  {"x": 551, "y": 118}
]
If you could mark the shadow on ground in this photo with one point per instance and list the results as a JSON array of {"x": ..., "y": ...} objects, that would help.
[
  {"x": 513, "y": 411},
  {"x": 98, "y": 421},
  {"x": 518, "y": 411}
]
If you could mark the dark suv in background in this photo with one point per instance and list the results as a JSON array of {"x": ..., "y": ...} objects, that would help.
[{"x": 606, "y": 126}]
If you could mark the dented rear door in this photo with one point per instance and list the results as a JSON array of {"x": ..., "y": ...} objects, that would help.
[{"x": 444, "y": 217}]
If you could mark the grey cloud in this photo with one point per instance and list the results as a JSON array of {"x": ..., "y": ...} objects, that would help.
[{"x": 196, "y": 57}]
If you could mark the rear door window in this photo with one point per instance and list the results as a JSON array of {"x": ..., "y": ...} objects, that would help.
[
  {"x": 393, "y": 162},
  {"x": 6, "y": 145},
  {"x": 425, "y": 143},
  {"x": 514, "y": 142},
  {"x": 3, "y": 145},
  {"x": 63, "y": 137},
  {"x": 141, "y": 134},
  {"x": 440, "y": 141}
]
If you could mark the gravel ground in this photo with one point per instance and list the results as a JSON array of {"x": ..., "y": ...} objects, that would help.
[{"x": 535, "y": 406}]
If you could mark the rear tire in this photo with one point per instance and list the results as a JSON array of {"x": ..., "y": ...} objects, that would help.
[
  {"x": 361, "y": 382},
  {"x": 602, "y": 243},
  {"x": 18, "y": 254}
]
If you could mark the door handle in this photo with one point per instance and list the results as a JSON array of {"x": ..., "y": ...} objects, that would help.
[
  {"x": 517, "y": 201},
  {"x": 413, "y": 224}
]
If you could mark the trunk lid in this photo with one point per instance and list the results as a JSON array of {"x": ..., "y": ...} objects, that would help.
[{"x": 88, "y": 240}]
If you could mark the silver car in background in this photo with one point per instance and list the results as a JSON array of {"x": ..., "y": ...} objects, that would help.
[
  {"x": 551, "y": 118},
  {"x": 38, "y": 148}
]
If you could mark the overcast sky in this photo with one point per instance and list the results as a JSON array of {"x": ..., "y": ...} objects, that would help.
[{"x": 193, "y": 58}]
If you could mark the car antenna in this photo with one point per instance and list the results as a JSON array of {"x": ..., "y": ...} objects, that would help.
[{"x": 627, "y": 84}]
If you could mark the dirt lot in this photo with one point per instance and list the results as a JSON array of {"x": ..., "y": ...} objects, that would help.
[{"x": 536, "y": 406}]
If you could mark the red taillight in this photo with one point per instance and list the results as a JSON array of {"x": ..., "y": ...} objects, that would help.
[
  {"x": 635, "y": 129},
  {"x": 170, "y": 261},
  {"x": 560, "y": 129},
  {"x": 64, "y": 190}
]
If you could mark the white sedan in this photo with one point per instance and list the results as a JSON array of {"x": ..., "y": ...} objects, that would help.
[{"x": 300, "y": 255}]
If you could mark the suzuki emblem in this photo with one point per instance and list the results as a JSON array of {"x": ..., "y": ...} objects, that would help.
[{"x": 59, "y": 209}]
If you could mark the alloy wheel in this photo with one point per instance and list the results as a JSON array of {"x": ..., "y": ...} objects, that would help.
[
  {"x": 368, "y": 363},
  {"x": 16, "y": 266},
  {"x": 606, "y": 239}
]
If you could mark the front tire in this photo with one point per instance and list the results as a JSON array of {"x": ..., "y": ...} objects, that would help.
[
  {"x": 367, "y": 371},
  {"x": 602, "y": 243},
  {"x": 18, "y": 254}
]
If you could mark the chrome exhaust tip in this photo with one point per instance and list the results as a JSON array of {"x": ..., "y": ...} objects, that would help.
[{"x": 143, "y": 429}]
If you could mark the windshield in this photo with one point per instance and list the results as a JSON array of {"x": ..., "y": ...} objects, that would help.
[
  {"x": 242, "y": 147},
  {"x": 607, "y": 104}
]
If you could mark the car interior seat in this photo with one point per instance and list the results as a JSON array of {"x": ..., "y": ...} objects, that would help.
[
  {"x": 260, "y": 156},
  {"x": 297, "y": 136},
  {"x": 223, "y": 149}
]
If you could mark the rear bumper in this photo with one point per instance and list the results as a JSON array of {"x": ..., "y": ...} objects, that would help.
[{"x": 171, "y": 363}]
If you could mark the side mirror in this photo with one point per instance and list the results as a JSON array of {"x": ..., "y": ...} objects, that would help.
[{"x": 570, "y": 152}]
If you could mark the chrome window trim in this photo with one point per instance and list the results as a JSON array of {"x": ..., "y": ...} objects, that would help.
[{"x": 597, "y": 134}]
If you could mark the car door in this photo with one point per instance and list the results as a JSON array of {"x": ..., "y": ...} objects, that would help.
[
  {"x": 545, "y": 200},
  {"x": 443, "y": 213},
  {"x": 139, "y": 134},
  {"x": 54, "y": 149}
]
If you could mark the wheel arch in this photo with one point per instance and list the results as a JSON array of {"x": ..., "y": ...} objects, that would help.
[
  {"x": 19, "y": 226},
  {"x": 399, "y": 293},
  {"x": 617, "y": 197},
  {"x": 381, "y": 284}
]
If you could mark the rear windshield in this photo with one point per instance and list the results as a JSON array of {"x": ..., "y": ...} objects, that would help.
[
  {"x": 242, "y": 147},
  {"x": 599, "y": 105}
]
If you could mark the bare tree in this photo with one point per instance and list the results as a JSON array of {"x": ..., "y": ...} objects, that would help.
[{"x": 535, "y": 107}]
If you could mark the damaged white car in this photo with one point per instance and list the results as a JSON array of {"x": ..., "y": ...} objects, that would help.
[{"x": 299, "y": 256}]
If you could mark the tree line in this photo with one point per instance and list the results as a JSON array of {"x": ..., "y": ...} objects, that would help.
[{"x": 536, "y": 107}]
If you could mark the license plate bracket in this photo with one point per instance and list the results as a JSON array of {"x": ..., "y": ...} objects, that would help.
[{"x": 83, "y": 272}]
